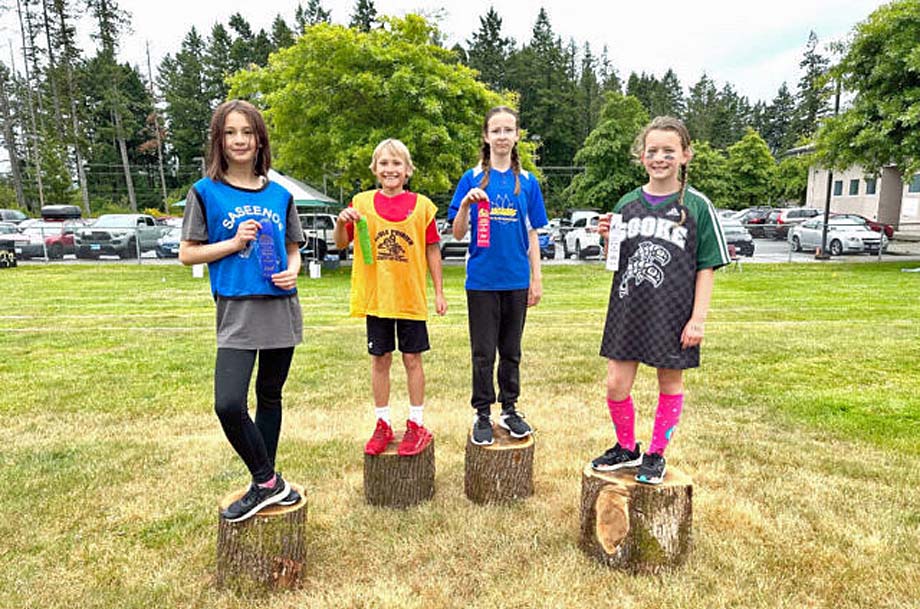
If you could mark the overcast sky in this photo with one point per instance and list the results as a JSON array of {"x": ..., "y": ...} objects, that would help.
[{"x": 754, "y": 45}]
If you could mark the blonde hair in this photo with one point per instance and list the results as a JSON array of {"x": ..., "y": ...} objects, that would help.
[
  {"x": 397, "y": 149},
  {"x": 674, "y": 125}
]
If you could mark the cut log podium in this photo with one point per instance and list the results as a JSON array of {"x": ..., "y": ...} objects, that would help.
[
  {"x": 500, "y": 472},
  {"x": 640, "y": 528},
  {"x": 265, "y": 551},
  {"x": 399, "y": 482}
]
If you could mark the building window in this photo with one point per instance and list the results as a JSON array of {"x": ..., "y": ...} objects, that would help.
[
  {"x": 914, "y": 183},
  {"x": 870, "y": 186},
  {"x": 838, "y": 188},
  {"x": 854, "y": 187}
]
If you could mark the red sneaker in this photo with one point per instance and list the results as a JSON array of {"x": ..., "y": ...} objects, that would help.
[
  {"x": 415, "y": 440},
  {"x": 383, "y": 435}
]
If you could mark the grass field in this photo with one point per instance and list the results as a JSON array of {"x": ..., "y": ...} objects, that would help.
[{"x": 801, "y": 431}]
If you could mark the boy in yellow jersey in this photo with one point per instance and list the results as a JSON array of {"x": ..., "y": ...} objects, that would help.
[{"x": 389, "y": 288}]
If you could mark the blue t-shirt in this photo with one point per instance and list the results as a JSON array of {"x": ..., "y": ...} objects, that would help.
[
  {"x": 504, "y": 264},
  {"x": 239, "y": 275}
]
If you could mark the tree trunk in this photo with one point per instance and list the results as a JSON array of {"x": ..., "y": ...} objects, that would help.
[
  {"x": 501, "y": 472},
  {"x": 9, "y": 139},
  {"x": 123, "y": 150},
  {"x": 265, "y": 551},
  {"x": 399, "y": 482},
  {"x": 640, "y": 528}
]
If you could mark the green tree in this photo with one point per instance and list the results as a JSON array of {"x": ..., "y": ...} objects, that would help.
[
  {"x": 732, "y": 113},
  {"x": 313, "y": 14},
  {"x": 184, "y": 84},
  {"x": 709, "y": 173},
  {"x": 337, "y": 92},
  {"x": 489, "y": 51},
  {"x": 282, "y": 36},
  {"x": 881, "y": 68},
  {"x": 752, "y": 167},
  {"x": 610, "y": 168},
  {"x": 702, "y": 107},
  {"x": 813, "y": 92},
  {"x": 790, "y": 180},
  {"x": 365, "y": 15},
  {"x": 217, "y": 65},
  {"x": 780, "y": 121}
]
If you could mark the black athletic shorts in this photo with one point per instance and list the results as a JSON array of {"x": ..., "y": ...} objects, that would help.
[{"x": 382, "y": 333}]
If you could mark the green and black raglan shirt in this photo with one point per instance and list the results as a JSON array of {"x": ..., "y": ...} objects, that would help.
[{"x": 651, "y": 298}]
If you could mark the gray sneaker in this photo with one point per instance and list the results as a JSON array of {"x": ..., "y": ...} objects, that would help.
[
  {"x": 255, "y": 499},
  {"x": 617, "y": 457},
  {"x": 482, "y": 430}
]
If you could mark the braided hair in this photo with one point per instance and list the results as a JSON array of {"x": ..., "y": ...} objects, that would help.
[
  {"x": 485, "y": 152},
  {"x": 675, "y": 125}
]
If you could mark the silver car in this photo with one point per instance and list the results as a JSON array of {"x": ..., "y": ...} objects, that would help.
[{"x": 844, "y": 235}]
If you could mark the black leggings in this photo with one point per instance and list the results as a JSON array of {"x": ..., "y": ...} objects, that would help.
[
  {"x": 496, "y": 322},
  {"x": 256, "y": 443}
]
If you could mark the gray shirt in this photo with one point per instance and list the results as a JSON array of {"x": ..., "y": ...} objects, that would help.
[{"x": 250, "y": 323}]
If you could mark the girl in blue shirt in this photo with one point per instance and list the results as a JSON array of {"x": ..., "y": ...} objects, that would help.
[{"x": 502, "y": 275}]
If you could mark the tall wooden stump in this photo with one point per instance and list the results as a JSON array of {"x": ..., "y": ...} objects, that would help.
[
  {"x": 265, "y": 551},
  {"x": 399, "y": 482},
  {"x": 500, "y": 472},
  {"x": 640, "y": 528}
]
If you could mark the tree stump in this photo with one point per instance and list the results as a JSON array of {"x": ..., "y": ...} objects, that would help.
[
  {"x": 265, "y": 551},
  {"x": 399, "y": 482},
  {"x": 640, "y": 528},
  {"x": 500, "y": 472}
]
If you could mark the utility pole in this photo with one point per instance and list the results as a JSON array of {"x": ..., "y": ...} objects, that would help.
[{"x": 822, "y": 253}]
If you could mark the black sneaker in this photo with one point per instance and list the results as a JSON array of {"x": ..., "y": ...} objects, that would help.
[
  {"x": 292, "y": 498},
  {"x": 652, "y": 469},
  {"x": 617, "y": 457},
  {"x": 514, "y": 422},
  {"x": 482, "y": 430},
  {"x": 255, "y": 499}
]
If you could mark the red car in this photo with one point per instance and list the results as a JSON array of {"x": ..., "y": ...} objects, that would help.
[
  {"x": 876, "y": 226},
  {"x": 55, "y": 238}
]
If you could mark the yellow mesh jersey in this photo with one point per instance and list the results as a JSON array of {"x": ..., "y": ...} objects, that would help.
[{"x": 394, "y": 286}]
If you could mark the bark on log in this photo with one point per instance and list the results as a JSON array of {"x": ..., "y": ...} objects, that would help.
[
  {"x": 399, "y": 482},
  {"x": 640, "y": 528},
  {"x": 500, "y": 472},
  {"x": 265, "y": 551}
]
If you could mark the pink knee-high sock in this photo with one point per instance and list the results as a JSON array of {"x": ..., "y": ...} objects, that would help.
[
  {"x": 623, "y": 415},
  {"x": 666, "y": 418}
]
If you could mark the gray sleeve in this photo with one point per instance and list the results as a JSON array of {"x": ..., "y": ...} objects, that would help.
[
  {"x": 194, "y": 222},
  {"x": 294, "y": 232}
]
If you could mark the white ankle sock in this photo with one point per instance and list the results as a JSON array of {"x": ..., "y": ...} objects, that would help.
[
  {"x": 415, "y": 414},
  {"x": 383, "y": 412}
]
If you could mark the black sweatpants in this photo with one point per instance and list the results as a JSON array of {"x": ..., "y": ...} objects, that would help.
[
  {"x": 496, "y": 320},
  {"x": 255, "y": 443}
]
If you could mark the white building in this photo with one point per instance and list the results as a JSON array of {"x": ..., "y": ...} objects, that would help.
[{"x": 884, "y": 198}]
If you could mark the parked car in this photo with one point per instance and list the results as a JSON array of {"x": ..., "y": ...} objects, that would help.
[
  {"x": 780, "y": 220},
  {"x": 872, "y": 224},
  {"x": 320, "y": 226},
  {"x": 10, "y": 244},
  {"x": 12, "y": 215},
  {"x": 735, "y": 234},
  {"x": 753, "y": 219},
  {"x": 51, "y": 239},
  {"x": 583, "y": 240},
  {"x": 119, "y": 234},
  {"x": 844, "y": 235},
  {"x": 547, "y": 245},
  {"x": 168, "y": 244},
  {"x": 450, "y": 245}
]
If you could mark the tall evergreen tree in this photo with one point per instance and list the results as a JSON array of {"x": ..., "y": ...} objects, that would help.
[
  {"x": 488, "y": 51},
  {"x": 780, "y": 132},
  {"x": 702, "y": 107},
  {"x": 814, "y": 91},
  {"x": 590, "y": 97},
  {"x": 282, "y": 35},
  {"x": 671, "y": 97},
  {"x": 607, "y": 74},
  {"x": 730, "y": 119},
  {"x": 184, "y": 84},
  {"x": 312, "y": 15},
  {"x": 217, "y": 65},
  {"x": 365, "y": 15}
]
